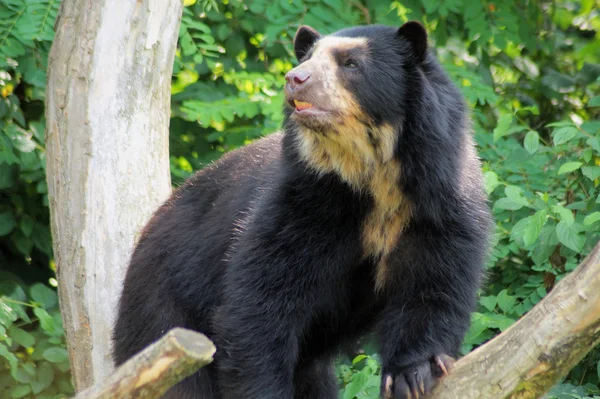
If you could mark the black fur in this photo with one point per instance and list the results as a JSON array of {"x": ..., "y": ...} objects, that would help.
[
  {"x": 304, "y": 39},
  {"x": 415, "y": 33},
  {"x": 264, "y": 256}
]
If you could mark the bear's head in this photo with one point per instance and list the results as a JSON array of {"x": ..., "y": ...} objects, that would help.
[{"x": 345, "y": 101}]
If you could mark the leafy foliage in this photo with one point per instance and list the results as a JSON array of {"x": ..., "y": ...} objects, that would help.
[
  {"x": 33, "y": 361},
  {"x": 31, "y": 342},
  {"x": 360, "y": 377},
  {"x": 529, "y": 68}
]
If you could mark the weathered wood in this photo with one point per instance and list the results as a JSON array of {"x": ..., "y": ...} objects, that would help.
[
  {"x": 153, "y": 371},
  {"x": 107, "y": 113},
  {"x": 526, "y": 360}
]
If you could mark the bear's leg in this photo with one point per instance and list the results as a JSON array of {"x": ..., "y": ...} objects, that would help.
[
  {"x": 145, "y": 315},
  {"x": 200, "y": 385},
  {"x": 276, "y": 279},
  {"x": 258, "y": 331},
  {"x": 315, "y": 380},
  {"x": 256, "y": 353},
  {"x": 427, "y": 316}
]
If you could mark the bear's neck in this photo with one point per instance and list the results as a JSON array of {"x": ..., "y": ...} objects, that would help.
[
  {"x": 363, "y": 157},
  {"x": 360, "y": 155}
]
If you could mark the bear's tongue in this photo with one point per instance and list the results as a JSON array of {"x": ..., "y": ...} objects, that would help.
[{"x": 301, "y": 105}]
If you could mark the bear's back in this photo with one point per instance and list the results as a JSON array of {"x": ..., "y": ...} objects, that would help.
[{"x": 207, "y": 207}]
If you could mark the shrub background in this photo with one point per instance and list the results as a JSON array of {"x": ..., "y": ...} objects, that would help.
[{"x": 529, "y": 69}]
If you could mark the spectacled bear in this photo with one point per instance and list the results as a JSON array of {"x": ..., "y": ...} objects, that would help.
[{"x": 366, "y": 213}]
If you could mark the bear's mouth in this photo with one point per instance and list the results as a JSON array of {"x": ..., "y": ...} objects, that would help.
[
  {"x": 300, "y": 106},
  {"x": 308, "y": 112}
]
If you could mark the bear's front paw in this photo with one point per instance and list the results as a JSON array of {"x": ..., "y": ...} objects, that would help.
[{"x": 416, "y": 380}]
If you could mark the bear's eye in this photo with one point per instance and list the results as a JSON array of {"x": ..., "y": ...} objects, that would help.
[{"x": 350, "y": 64}]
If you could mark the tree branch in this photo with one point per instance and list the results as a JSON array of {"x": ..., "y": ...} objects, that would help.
[
  {"x": 526, "y": 360},
  {"x": 150, "y": 373}
]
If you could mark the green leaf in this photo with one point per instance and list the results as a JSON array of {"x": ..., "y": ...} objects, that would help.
[
  {"x": 22, "y": 242},
  {"x": 37, "y": 387},
  {"x": 26, "y": 225},
  {"x": 7, "y": 223},
  {"x": 41, "y": 238},
  {"x": 22, "y": 376},
  {"x": 500, "y": 321},
  {"x": 569, "y": 235},
  {"x": 478, "y": 326},
  {"x": 569, "y": 167},
  {"x": 518, "y": 230},
  {"x": 560, "y": 124},
  {"x": 23, "y": 141},
  {"x": 21, "y": 337},
  {"x": 594, "y": 143},
  {"x": 43, "y": 295},
  {"x": 29, "y": 368},
  {"x": 564, "y": 214},
  {"x": 505, "y": 301},
  {"x": 45, "y": 374},
  {"x": 10, "y": 358},
  {"x": 491, "y": 181},
  {"x": 591, "y": 127},
  {"x": 515, "y": 194},
  {"x": 532, "y": 141},
  {"x": 508, "y": 204},
  {"x": 591, "y": 219},
  {"x": 489, "y": 302},
  {"x": 534, "y": 227},
  {"x": 358, "y": 359},
  {"x": 19, "y": 391},
  {"x": 533, "y": 109},
  {"x": 591, "y": 172},
  {"x": 12, "y": 290},
  {"x": 356, "y": 385},
  {"x": 564, "y": 134},
  {"x": 567, "y": 391},
  {"x": 541, "y": 291},
  {"x": 56, "y": 355},
  {"x": 46, "y": 321},
  {"x": 7, "y": 314},
  {"x": 558, "y": 81},
  {"x": 502, "y": 127},
  {"x": 594, "y": 102}
]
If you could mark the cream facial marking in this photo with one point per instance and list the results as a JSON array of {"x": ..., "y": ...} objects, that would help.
[
  {"x": 359, "y": 152},
  {"x": 324, "y": 66}
]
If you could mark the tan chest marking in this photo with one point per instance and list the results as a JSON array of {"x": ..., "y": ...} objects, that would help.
[
  {"x": 364, "y": 159},
  {"x": 390, "y": 215},
  {"x": 348, "y": 154}
]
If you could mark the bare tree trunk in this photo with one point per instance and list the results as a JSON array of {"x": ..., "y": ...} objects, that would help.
[
  {"x": 107, "y": 112},
  {"x": 526, "y": 360}
]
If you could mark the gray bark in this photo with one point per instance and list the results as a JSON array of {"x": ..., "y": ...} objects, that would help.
[
  {"x": 530, "y": 357},
  {"x": 107, "y": 113}
]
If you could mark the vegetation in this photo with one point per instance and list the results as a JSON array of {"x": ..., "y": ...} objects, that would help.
[{"x": 529, "y": 68}]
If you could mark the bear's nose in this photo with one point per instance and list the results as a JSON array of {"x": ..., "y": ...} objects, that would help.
[{"x": 296, "y": 78}]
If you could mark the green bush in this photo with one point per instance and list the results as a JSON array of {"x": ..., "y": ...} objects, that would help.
[
  {"x": 32, "y": 342},
  {"x": 530, "y": 69}
]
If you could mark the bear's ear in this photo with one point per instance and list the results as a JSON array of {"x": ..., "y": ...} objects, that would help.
[
  {"x": 416, "y": 35},
  {"x": 304, "y": 39}
]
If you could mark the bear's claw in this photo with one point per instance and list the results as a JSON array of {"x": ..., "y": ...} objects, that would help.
[{"x": 416, "y": 380}]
